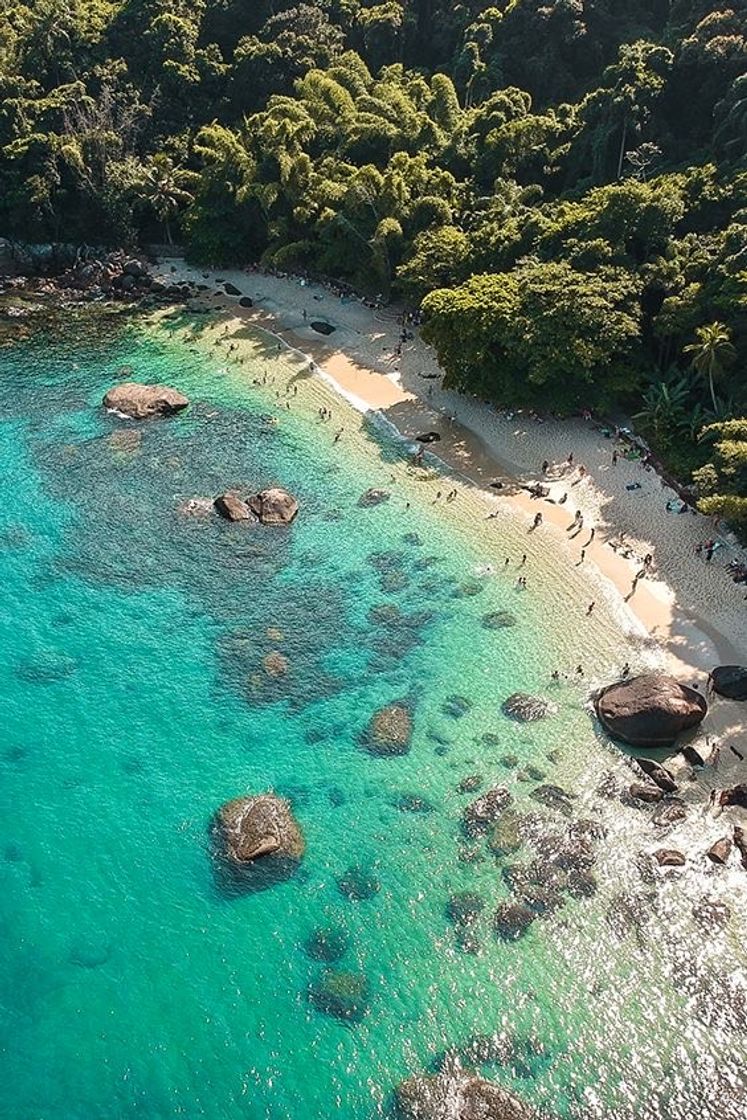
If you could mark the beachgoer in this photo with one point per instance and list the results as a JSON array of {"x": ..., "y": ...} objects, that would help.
[
  {"x": 555, "y": 675},
  {"x": 614, "y": 458},
  {"x": 523, "y": 560},
  {"x": 583, "y": 554},
  {"x": 569, "y": 460},
  {"x": 537, "y": 521},
  {"x": 563, "y": 498},
  {"x": 626, "y": 669},
  {"x": 590, "y": 608},
  {"x": 580, "y": 670},
  {"x": 545, "y": 467}
]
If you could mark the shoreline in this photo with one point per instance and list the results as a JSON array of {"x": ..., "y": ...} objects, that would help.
[{"x": 482, "y": 445}]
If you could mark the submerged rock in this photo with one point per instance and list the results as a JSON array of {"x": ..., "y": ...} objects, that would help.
[
  {"x": 456, "y": 706},
  {"x": 389, "y": 732},
  {"x": 464, "y": 908},
  {"x": 275, "y": 664},
  {"x": 669, "y": 812},
  {"x": 140, "y": 402},
  {"x": 711, "y": 914},
  {"x": 505, "y": 837},
  {"x": 413, "y": 803},
  {"x": 730, "y": 681},
  {"x": 499, "y": 620},
  {"x": 358, "y": 884},
  {"x": 470, "y": 784},
  {"x": 554, "y": 797},
  {"x": 259, "y": 838},
  {"x": 341, "y": 993},
  {"x": 512, "y": 920},
  {"x": 648, "y": 792},
  {"x": 457, "y": 1094},
  {"x": 373, "y": 497},
  {"x": 650, "y": 710},
  {"x": 485, "y": 810},
  {"x": 525, "y": 708},
  {"x": 274, "y": 506},
  {"x": 327, "y": 943},
  {"x": 47, "y": 667}
]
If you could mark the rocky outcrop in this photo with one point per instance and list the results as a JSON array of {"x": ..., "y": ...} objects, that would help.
[
  {"x": 258, "y": 838},
  {"x": 141, "y": 402},
  {"x": 274, "y": 506},
  {"x": 730, "y": 681},
  {"x": 650, "y": 710},
  {"x": 233, "y": 508},
  {"x": 525, "y": 708},
  {"x": 389, "y": 732},
  {"x": 457, "y": 1094}
]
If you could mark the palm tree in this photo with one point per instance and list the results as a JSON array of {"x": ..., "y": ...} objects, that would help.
[
  {"x": 164, "y": 186},
  {"x": 711, "y": 352}
]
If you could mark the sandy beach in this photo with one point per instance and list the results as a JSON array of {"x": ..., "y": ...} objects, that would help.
[{"x": 691, "y": 608}]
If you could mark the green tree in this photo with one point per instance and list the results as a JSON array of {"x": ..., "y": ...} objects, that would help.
[
  {"x": 722, "y": 483},
  {"x": 712, "y": 352}
]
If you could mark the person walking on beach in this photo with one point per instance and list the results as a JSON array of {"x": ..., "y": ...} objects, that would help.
[
  {"x": 590, "y": 608},
  {"x": 583, "y": 554},
  {"x": 523, "y": 560},
  {"x": 592, "y": 534},
  {"x": 614, "y": 457},
  {"x": 545, "y": 467},
  {"x": 537, "y": 522},
  {"x": 569, "y": 460}
]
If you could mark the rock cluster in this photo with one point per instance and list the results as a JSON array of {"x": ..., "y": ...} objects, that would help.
[
  {"x": 457, "y": 1094},
  {"x": 389, "y": 732},
  {"x": 84, "y": 274},
  {"x": 274, "y": 506}
]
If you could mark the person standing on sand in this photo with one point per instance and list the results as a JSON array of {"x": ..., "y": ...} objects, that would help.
[
  {"x": 569, "y": 460},
  {"x": 614, "y": 457},
  {"x": 545, "y": 467},
  {"x": 590, "y": 608},
  {"x": 537, "y": 521},
  {"x": 583, "y": 554}
]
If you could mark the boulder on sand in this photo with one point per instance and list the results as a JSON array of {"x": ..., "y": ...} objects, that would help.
[
  {"x": 258, "y": 838},
  {"x": 233, "y": 508},
  {"x": 389, "y": 731},
  {"x": 730, "y": 681},
  {"x": 274, "y": 506},
  {"x": 650, "y": 710},
  {"x": 140, "y": 402},
  {"x": 457, "y": 1094}
]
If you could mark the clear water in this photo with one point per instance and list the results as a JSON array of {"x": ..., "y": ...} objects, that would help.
[{"x": 135, "y": 702}]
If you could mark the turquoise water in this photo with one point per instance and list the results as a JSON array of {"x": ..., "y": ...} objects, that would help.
[{"x": 132, "y": 639}]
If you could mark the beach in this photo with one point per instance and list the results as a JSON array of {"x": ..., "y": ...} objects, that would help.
[{"x": 691, "y": 608}]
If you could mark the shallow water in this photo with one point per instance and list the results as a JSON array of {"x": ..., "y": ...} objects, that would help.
[{"x": 132, "y": 639}]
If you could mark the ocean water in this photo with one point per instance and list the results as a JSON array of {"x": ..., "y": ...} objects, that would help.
[{"x": 136, "y": 701}]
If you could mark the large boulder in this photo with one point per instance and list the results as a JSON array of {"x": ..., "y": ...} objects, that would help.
[
  {"x": 258, "y": 838},
  {"x": 457, "y": 1094},
  {"x": 484, "y": 811},
  {"x": 730, "y": 681},
  {"x": 389, "y": 731},
  {"x": 650, "y": 710},
  {"x": 140, "y": 402},
  {"x": 233, "y": 508},
  {"x": 274, "y": 506}
]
